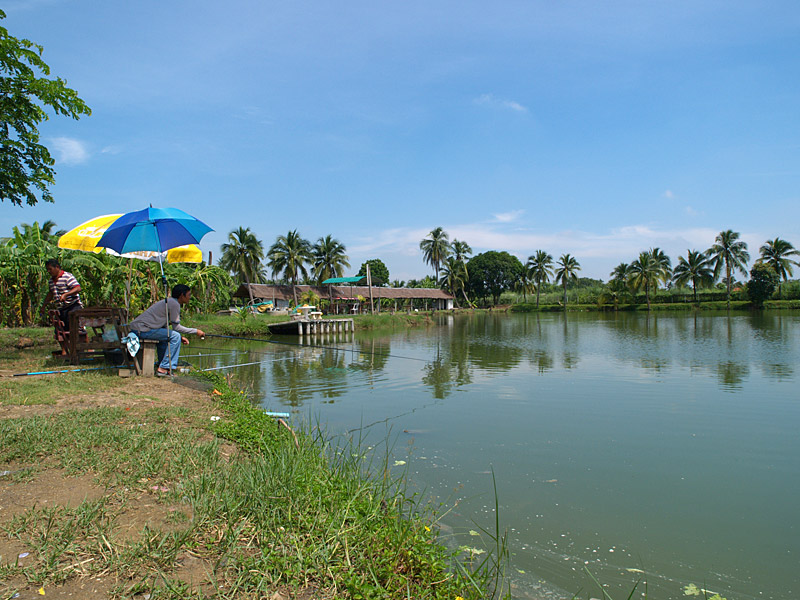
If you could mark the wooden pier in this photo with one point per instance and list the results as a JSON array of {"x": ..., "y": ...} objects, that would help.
[{"x": 312, "y": 327}]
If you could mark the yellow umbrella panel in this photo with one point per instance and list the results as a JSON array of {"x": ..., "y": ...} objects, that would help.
[{"x": 86, "y": 235}]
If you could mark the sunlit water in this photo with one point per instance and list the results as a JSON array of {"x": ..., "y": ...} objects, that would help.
[{"x": 619, "y": 443}]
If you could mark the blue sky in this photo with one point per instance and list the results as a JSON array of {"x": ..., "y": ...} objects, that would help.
[{"x": 595, "y": 128}]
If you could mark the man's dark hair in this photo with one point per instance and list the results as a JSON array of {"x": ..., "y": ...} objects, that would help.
[
  {"x": 179, "y": 290},
  {"x": 52, "y": 262}
]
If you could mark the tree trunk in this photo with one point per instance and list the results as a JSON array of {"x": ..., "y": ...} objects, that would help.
[
  {"x": 565, "y": 295},
  {"x": 538, "y": 286},
  {"x": 728, "y": 273}
]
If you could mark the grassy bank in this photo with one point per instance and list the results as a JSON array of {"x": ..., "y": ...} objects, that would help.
[{"x": 168, "y": 502}]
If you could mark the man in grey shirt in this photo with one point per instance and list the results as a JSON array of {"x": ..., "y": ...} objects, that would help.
[{"x": 152, "y": 325}]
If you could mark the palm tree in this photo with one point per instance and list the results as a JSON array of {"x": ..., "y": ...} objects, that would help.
[
  {"x": 453, "y": 276},
  {"x": 242, "y": 257},
  {"x": 619, "y": 277},
  {"x": 460, "y": 250},
  {"x": 644, "y": 271},
  {"x": 435, "y": 248},
  {"x": 774, "y": 253},
  {"x": 540, "y": 267},
  {"x": 567, "y": 270},
  {"x": 664, "y": 266},
  {"x": 697, "y": 268},
  {"x": 330, "y": 259},
  {"x": 729, "y": 250},
  {"x": 290, "y": 253}
]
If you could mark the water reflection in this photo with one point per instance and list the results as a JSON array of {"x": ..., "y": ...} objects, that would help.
[{"x": 474, "y": 348}]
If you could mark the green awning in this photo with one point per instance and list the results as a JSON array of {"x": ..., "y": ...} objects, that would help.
[{"x": 333, "y": 280}]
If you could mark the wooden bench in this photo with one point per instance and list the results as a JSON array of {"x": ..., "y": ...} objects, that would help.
[{"x": 146, "y": 357}]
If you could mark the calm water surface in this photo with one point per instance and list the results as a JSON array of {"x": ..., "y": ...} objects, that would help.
[{"x": 666, "y": 444}]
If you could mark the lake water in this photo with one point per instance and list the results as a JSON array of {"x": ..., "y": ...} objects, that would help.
[{"x": 619, "y": 442}]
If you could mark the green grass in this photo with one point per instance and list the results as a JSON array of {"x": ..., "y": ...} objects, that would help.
[
  {"x": 40, "y": 336},
  {"x": 39, "y": 390},
  {"x": 289, "y": 510}
]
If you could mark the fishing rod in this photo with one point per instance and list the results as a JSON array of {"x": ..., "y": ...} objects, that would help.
[
  {"x": 59, "y": 372},
  {"x": 247, "y": 339}
]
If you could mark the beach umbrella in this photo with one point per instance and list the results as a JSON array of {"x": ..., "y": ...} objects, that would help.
[
  {"x": 86, "y": 235},
  {"x": 154, "y": 230}
]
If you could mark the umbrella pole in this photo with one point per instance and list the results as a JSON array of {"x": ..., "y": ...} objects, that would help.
[
  {"x": 128, "y": 291},
  {"x": 166, "y": 306}
]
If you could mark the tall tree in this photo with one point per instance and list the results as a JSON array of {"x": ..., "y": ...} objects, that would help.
[
  {"x": 492, "y": 272},
  {"x": 567, "y": 271},
  {"x": 242, "y": 256},
  {"x": 664, "y": 265},
  {"x": 619, "y": 277},
  {"x": 697, "y": 268},
  {"x": 644, "y": 272},
  {"x": 730, "y": 251},
  {"x": 330, "y": 258},
  {"x": 775, "y": 253},
  {"x": 25, "y": 93},
  {"x": 454, "y": 276},
  {"x": 289, "y": 255},
  {"x": 540, "y": 269},
  {"x": 460, "y": 250},
  {"x": 435, "y": 249},
  {"x": 378, "y": 271}
]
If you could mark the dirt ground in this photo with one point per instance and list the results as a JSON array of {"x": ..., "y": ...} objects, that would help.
[{"x": 52, "y": 487}]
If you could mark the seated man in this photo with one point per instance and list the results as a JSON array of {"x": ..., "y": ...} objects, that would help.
[
  {"x": 64, "y": 290},
  {"x": 152, "y": 325}
]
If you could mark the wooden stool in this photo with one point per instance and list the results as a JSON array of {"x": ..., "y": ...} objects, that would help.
[{"x": 146, "y": 357}]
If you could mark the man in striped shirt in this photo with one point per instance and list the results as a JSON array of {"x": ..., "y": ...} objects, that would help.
[{"x": 64, "y": 290}]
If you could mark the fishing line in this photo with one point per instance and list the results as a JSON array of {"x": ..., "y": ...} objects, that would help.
[
  {"x": 372, "y": 352},
  {"x": 259, "y": 362}
]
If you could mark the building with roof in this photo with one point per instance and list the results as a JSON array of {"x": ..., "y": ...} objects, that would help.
[{"x": 351, "y": 298}]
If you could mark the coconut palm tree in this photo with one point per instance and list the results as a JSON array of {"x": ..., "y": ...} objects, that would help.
[
  {"x": 289, "y": 254},
  {"x": 460, "y": 250},
  {"x": 435, "y": 249},
  {"x": 330, "y": 258},
  {"x": 730, "y": 251},
  {"x": 567, "y": 271},
  {"x": 453, "y": 276},
  {"x": 540, "y": 268},
  {"x": 774, "y": 253},
  {"x": 242, "y": 256},
  {"x": 643, "y": 272},
  {"x": 619, "y": 277},
  {"x": 697, "y": 268},
  {"x": 664, "y": 266}
]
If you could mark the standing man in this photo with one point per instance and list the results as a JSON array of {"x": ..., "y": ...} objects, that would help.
[
  {"x": 152, "y": 325},
  {"x": 64, "y": 290}
]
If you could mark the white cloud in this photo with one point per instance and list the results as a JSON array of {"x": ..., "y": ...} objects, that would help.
[
  {"x": 69, "y": 151},
  {"x": 668, "y": 194},
  {"x": 111, "y": 150},
  {"x": 508, "y": 217},
  {"x": 491, "y": 101}
]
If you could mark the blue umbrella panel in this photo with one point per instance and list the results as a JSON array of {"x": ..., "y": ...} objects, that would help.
[{"x": 153, "y": 229}]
